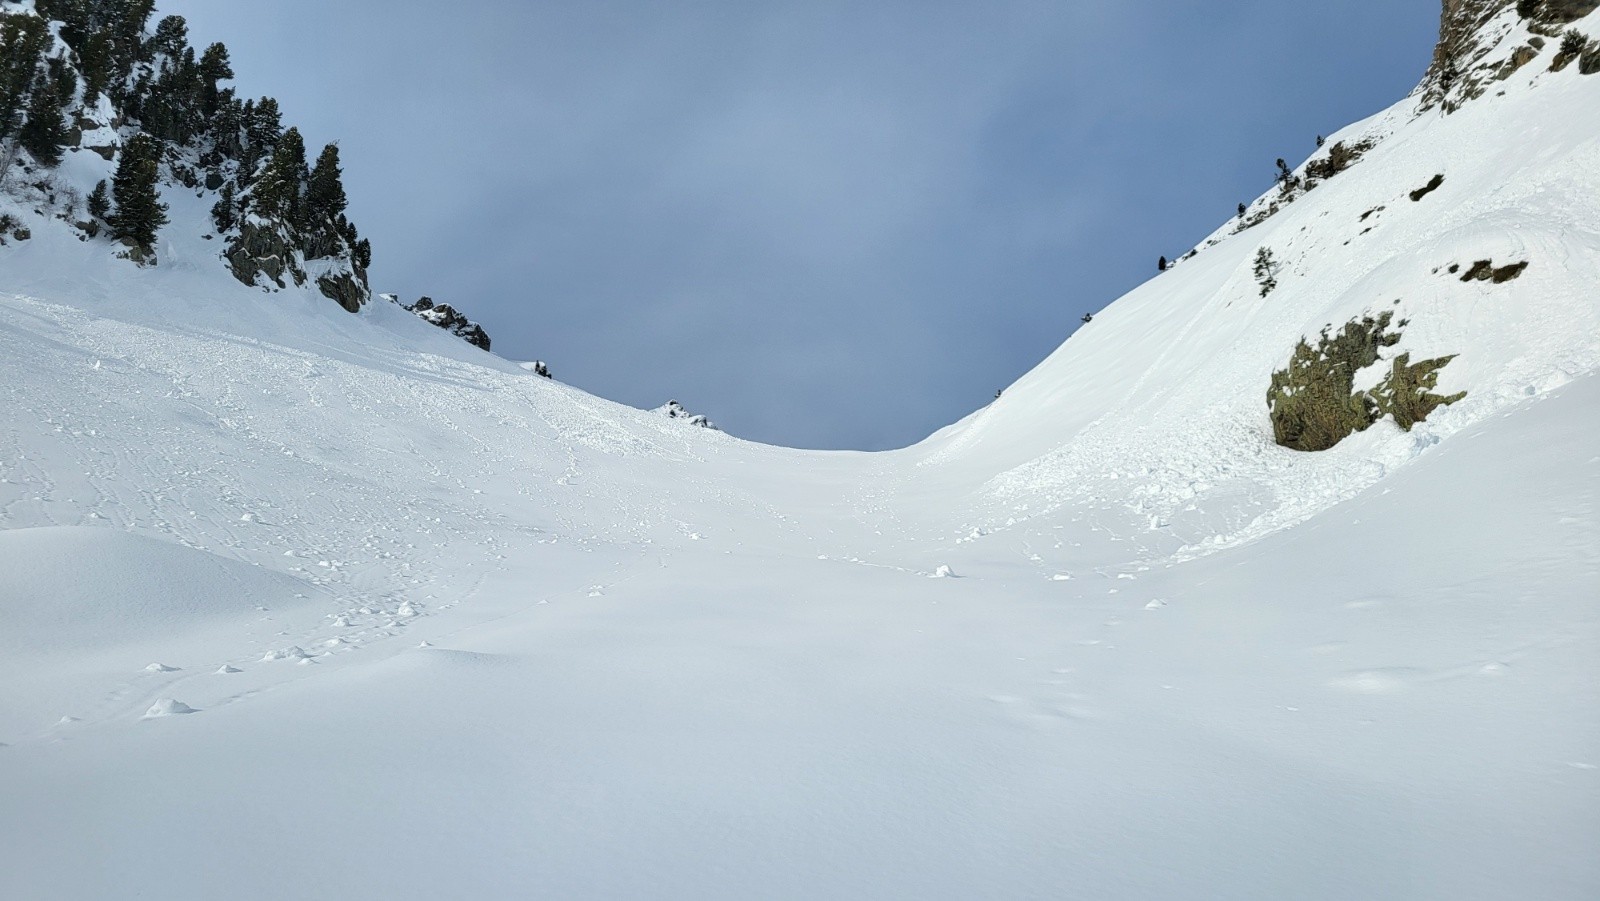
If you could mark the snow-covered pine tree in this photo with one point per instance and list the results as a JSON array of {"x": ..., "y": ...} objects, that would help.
[
  {"x": 23, "y": 40},
  {"x": 325, "y": 204},
  {"x": 278, "y": 193},
  {"x": 44, "y": 132},
  {"x": 140, "y": 213},
  {"x": 99, "y": 204}
]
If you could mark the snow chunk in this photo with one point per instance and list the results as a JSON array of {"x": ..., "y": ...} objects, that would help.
[{"x": 168, "y": 707}]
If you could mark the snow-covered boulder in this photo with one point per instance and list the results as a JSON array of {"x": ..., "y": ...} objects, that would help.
[
  {"x": 446, "y": 317},
  {"x": 674, "y": 410}
]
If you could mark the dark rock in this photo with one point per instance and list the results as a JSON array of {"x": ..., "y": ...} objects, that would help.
[
  {"x": 138, "y": 253},
  {"x": 345, "y": 289},
  {"x": 1485, "y": 271},
  {"x": 1432, "y": 185},
  {"x": 1519, "y": 57},
  {"x": 1560, "y": 12},
  {"x": 213, "y": 181},
  {"x": 257, "y": 251}
]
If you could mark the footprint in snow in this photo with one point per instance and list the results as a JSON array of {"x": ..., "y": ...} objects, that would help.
[
  {"x": 161, "y": 668},
  {"x": 227, "y": 670}
]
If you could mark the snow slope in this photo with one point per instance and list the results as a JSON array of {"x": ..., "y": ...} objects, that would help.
[{"x": 446, "y": 627}]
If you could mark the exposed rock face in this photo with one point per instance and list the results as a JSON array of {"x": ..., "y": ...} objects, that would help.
[
  {"x": 446, "y": 317},
  {"x": 258, "y": 250},
  {"x": 1453, "y": 77},
  {"x": 1560, "y": 12},
  {"x": 1462, "y": 69},
  {"x": 1589, "y": 63},
  {"x": 261, "y": 255},
  {"x": 345, "y": 289}
]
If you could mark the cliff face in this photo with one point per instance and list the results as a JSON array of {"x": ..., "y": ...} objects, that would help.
[
  {"x": 1465, "y": 60},
  {"x": 1464, "y": 41}
]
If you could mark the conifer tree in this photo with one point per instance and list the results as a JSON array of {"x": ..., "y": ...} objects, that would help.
[
  {"x": 214, "y": 67},
  {"x": 44, "y": 132},
  {"x": 1266, "y": 271},
  {"x": 170, "y": 39},
  {"x": 100, "y": 201},
  {"x": 95, "y": 61},
  {"x": 23, "y": 40},
  {"x": 264, "y": 123},
  {"x": 325, "y": 197},
  {"x": 225, "y": 215},
  {"x": 278, "y": 191},
  {"x": 263, "y": 126},
  {"x": 140, "y": 213}
]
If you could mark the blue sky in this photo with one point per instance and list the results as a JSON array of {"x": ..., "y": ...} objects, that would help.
[{"x": 822, "y": 224}]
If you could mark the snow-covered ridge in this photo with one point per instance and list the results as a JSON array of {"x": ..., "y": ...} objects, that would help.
[{"x": 1156, "y": 408}]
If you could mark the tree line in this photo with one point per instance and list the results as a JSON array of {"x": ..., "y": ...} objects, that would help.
[{"x": 176, "y": 109}]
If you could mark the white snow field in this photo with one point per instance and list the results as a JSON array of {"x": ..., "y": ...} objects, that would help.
[{"x": 295, "y": 603}]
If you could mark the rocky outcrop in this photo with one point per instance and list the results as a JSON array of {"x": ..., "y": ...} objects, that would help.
[
  {"x": 262, "y": 251},
  {"x": 1455, "y": 75},
  {"x": 1464, "y": 62},
  {"x": 1561, "y": 12},
  {"x": 348, "y": 290},
  {"x": 674, "y": 410},
  {"x": 263, "y": 256},
  {"x": 446, "y": 317}
]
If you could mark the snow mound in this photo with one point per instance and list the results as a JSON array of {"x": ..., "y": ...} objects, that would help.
[{"x": 168, "y": 707}]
